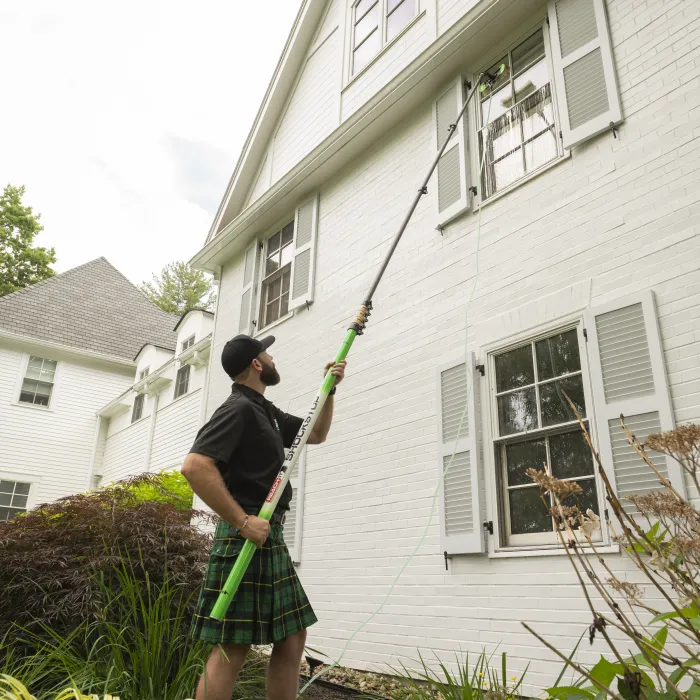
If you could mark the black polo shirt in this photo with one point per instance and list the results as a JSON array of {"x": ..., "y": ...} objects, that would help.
[{"x": 246, "y": 436}]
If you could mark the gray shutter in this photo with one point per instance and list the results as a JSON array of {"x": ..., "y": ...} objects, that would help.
[
  {"x": 452, "y": 173},
  {"x": 303, "y": 264},
  {"x": 628, "y": 377},
  {"x": 584, "y": 72},
  {"x": 461, "y": 519},
  {"x": 250, "y": 273},
  {"x": 295, "y": 514}
]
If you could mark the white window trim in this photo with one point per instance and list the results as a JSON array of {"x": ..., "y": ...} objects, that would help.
[
  {"x": 143, "y": 408},
  {"x": 350, "y": 76},
  {"x": 144, "y": 373},
  {"x": 24, "y": 365},
  {"x": 177, "y": 396},
  {"x": 474, "y": 110},
  {"x": 33, "y": 481},
  {"x": 187, "y": 340},
  {"x": 490, "y": 432},
  {"x": 260, "y": 310}
]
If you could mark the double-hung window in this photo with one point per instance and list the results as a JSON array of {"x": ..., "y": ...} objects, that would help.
[
  {"x": 182, "y": 381},
  {"x": 375, "y": 23},
  {"x": 536, "y": 427},
  {"x": 278, "y": 270},
  {"x": 13, "y": 499},
  {"x": 517, "y": 124},
  {"x": 38, "y": 381},
  {"x": 279, "y": 251},
  {"x": 137, "y": 413},
  {"x": 187, "y": 343}
]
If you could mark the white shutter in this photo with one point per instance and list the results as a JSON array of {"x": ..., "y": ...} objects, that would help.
[
  {"x": 461, "y": 521},
  {"x": 304, "y": 262},
  {"x": 452, "y": 173},
  {"x": 584, "y": 72},
  {"x": 250, "y": 274},
  {"x": 295, "y": 514},
  {"x": 629, "y": 378}
]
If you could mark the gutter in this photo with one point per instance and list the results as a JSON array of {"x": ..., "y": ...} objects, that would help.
[{"x": 67, "y": 349}]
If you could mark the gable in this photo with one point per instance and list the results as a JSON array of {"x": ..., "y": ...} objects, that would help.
[{"x": 313, "y": 110}]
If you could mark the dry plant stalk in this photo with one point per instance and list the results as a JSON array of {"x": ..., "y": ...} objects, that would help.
[{"x": 663, "y": 541}]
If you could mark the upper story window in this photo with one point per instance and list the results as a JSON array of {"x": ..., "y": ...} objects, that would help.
[
  {"x": 38, "y": 381},
  {"x": 518, "y": 128},
  {"x": 187, "y": 343},
  {"x": 144, "y": 373},
  {"x": 13, "y": 499},
  {"x": 137, "y": 412},
  {"x": 376, "y": 22},
  {"x": 279, "y": 251},
  {"x": 182, "y": 381},
  {"x": 536, "y": 426}
]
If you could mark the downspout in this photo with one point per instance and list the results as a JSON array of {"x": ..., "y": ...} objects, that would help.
[
  {"x": 92, "y": 467},
  {"x": 207, "y": 371},
  {"x": 151, "y": 431}
]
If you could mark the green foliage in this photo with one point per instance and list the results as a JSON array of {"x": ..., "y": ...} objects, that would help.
[
  {"x": 137, "y": 647},
  {"x": 180, "y": 288},
  {"x": 21, "y": 264},
  {"x": 51, "y": 555},
  {"x": 169, "y": 487},
  {"x": 482, "y": 682}
]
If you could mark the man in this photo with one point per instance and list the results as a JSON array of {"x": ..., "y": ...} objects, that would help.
[{"x": 231, "y": 467}]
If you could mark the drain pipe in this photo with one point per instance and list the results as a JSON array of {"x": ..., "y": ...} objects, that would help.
[{"x": 151, "y": 429}]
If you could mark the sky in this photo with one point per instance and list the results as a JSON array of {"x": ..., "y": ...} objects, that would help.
[{"x": 125, "y": 120}]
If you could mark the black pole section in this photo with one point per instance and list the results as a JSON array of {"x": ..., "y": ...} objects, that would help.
[{"x": 423, "y": 190}]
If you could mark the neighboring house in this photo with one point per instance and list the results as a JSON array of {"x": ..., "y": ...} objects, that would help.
[
  {"x": 151, "y": 426},
  {"x": 67, "y": 346},
  {"x": 588, "y": 282}
]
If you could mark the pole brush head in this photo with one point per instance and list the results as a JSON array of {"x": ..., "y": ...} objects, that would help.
[{"x": 491, "y": 78}]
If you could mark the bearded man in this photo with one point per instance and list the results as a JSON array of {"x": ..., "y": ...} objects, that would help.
[{"x": 232, "y": 465}]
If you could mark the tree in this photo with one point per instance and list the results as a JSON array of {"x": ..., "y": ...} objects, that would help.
[
  {"x": 180, "y": 288},
  {"x": 21, "y": 264}
]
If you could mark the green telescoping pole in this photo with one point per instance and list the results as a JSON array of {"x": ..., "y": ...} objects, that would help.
[{"x": 357, "y": 327}]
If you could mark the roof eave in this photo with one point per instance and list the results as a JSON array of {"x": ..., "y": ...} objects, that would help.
[{"x": 270, "y": 108}]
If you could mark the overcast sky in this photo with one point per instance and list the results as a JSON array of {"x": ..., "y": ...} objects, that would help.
[{"x": 125, "y": 120}]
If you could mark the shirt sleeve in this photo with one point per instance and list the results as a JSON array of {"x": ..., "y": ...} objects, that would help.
[
  {"x": 219, "y": 437},
  {"x": 289, "y": 425}
]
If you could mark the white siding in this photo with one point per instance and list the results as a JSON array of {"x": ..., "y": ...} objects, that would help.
[
  {"x": 53, "y": 446},
  {"x": 386, "y": 67},
  {"x": 449, "y": 11},
  {"x": 262, "y": 183},
  {"x": 312, "y": 111},
  {"x": 621, "y": 215},
  {"x": 125, "y": 452},
  {"x": 176, "y": 427}
]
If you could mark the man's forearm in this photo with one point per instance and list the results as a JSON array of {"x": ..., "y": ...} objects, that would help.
[
  {"x": 323, "y": 423},
  {"x": 206, "y": 482}
]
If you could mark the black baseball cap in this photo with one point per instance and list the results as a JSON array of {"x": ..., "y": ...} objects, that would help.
[{"x": 240, "y": 351}]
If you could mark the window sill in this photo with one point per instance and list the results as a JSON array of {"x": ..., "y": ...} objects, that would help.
[
  {"x": 506, "y": 191},
  {"x": 33, "y": 406},
  {"x": 267, "y": 329},
  {"x": 383, "y": 50},
  {"x": 554, "y": 551}
]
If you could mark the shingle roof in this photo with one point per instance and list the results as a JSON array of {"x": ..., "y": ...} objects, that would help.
[{"x": 91, "y": 307}]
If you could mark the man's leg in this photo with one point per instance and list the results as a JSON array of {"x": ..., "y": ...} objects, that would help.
[
  {"x": 283, "y": 673},
  {"x": 221, "y": 672}
]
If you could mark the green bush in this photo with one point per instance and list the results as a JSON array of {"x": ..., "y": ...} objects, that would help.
[{"x": 52, "y": 556}]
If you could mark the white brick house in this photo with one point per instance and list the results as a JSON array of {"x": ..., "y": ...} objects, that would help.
[
  {"x": 96, "y": 383},
  {"x": 580, "y": 273}
]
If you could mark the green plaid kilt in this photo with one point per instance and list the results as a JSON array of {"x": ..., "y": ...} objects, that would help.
[{"x": 270, "y": 604}]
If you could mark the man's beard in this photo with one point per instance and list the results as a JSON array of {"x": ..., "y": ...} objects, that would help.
[{"x": 269, "y": 375}]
